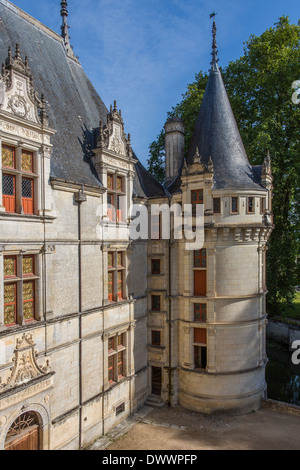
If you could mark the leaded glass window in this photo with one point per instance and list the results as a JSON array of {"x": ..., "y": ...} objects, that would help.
[
  {"x": 27, "y": 161},
  {"x": 17, "y": 167},
  {"x": 8, "y": 157},
  {"x": 10, "y": 304},
  {"x": 8, "y": 186},
  {"x": 19, "y": 284}
]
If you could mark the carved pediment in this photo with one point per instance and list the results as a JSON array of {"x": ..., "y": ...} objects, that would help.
[
  {"x": 198, "y": 166},
  {"x": 112, "y": 136},
  {"x": 18, "y": 95},
  {"x": 25, "y": 366}
]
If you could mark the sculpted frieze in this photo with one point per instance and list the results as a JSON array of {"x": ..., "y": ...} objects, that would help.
[{"x": 25, "y": 367}]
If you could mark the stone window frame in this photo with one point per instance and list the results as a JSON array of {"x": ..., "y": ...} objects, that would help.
[
  {"x": 114, "y": 269},
  {"x": 154, "y": 335},
  {"x": 263, "y": 203},
  {"x": 202, "y": 267},
  {"x": 114, "y": 213},
  {"x": 19, "y": 280},
  {"x": 113, "y": 354},
  {"x": 19, "y": 174},
  {"x": 220, "y": 205},
  {"x": 198, "y": 200},
  {"x": 238, "y": 205},
  {"x": 152, "y": 303},
  {"x": 199, "y": 345},
  {"x": 248, "y": 204},
  {"x": 200, "y": 321},
  {"x": 154, "y": 273}
]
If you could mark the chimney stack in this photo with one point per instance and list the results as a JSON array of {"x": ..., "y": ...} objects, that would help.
[{"x": 174, "y": 147}]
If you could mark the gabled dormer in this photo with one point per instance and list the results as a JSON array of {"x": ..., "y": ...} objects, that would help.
[
  {"x": 115, "y": 165},
  {"x": 17, "y": 93},
  {"x": 24, "y": 141}
]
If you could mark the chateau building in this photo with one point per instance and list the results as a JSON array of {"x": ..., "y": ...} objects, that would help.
[{"x": 93, "y": 323}]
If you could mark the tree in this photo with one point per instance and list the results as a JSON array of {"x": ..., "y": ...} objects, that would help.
[{"x": 259, "y": 86}]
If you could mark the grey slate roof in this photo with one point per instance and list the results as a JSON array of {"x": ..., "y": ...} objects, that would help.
[
  {"x": 216, "y": 134},
  {"x": 145, "y": 185},
  {"x": 75, "y": 107}
]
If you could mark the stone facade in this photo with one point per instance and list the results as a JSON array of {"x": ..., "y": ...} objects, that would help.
[{"x": 92, "y": 323}]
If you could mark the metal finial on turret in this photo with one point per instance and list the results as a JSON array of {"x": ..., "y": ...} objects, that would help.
[
  {"x": 214, "y": 53},
  {"x": 64, "y": 26}
]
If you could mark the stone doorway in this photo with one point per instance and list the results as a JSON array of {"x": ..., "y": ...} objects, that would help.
[{"x": 156, "y": 381}]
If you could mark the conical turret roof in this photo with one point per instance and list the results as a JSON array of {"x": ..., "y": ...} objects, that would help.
[{"x": 216, "y": 135}]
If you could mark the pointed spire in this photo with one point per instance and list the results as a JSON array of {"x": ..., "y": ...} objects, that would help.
[
  {"x": 210, "y": 165},
  {"x": 217, "y": 136},
  {"x": 64, "y": 26},
  {"x": 214, "y": 62},
  {"x": 197, "y": 158}
]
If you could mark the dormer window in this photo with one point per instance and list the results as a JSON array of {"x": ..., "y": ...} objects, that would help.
[{"x": 196, "y": 198}]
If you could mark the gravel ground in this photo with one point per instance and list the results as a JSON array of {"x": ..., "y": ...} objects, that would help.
[{"x": 179, "y": 429}]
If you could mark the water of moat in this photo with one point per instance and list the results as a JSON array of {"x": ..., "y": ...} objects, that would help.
[{"x": 282, "y": 376}]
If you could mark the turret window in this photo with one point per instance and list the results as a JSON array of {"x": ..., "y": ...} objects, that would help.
[
  {"x": 200, "y": 348},
  {"x": 196, "y": 198},
  {"x": 234, "y": 204},
  {"x": 200, "y": 312},
  {"x": 200, "y": 272},
  {"x": 251, "y": 205}
]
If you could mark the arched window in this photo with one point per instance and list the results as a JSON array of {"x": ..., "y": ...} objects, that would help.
[{"x": 23, "y": 434}]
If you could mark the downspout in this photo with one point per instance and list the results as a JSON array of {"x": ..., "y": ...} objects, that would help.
[
  {"x": 80, "y": 197},
  {"x": 170, "y": 315},
  {"x": 103, "y": 349}
]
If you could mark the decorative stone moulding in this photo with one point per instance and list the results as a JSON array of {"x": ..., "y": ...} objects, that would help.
[
  {"x": 112, "y": 136},
  {"x": 17, "y": 93},
  {"x": 25, "y": 366}
]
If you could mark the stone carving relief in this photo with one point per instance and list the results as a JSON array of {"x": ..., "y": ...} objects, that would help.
[
  {"x": 25, "y": 366},
  {"x": 17, "y": 93},
  {"x": 115, "y": 142},
  {"x": 112, "y": 136}
]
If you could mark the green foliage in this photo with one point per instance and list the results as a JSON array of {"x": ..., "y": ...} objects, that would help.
[
  {"x": 259, "y": 86},
  {"x": 156, "y": 162}
]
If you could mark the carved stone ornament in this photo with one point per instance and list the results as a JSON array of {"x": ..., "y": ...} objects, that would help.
[
  {"x": 198, "y": 166},
  {"x": 18, "y": 95},
  {"x": 25, "y": 366},
  {"x": 112, "y": 136}
]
